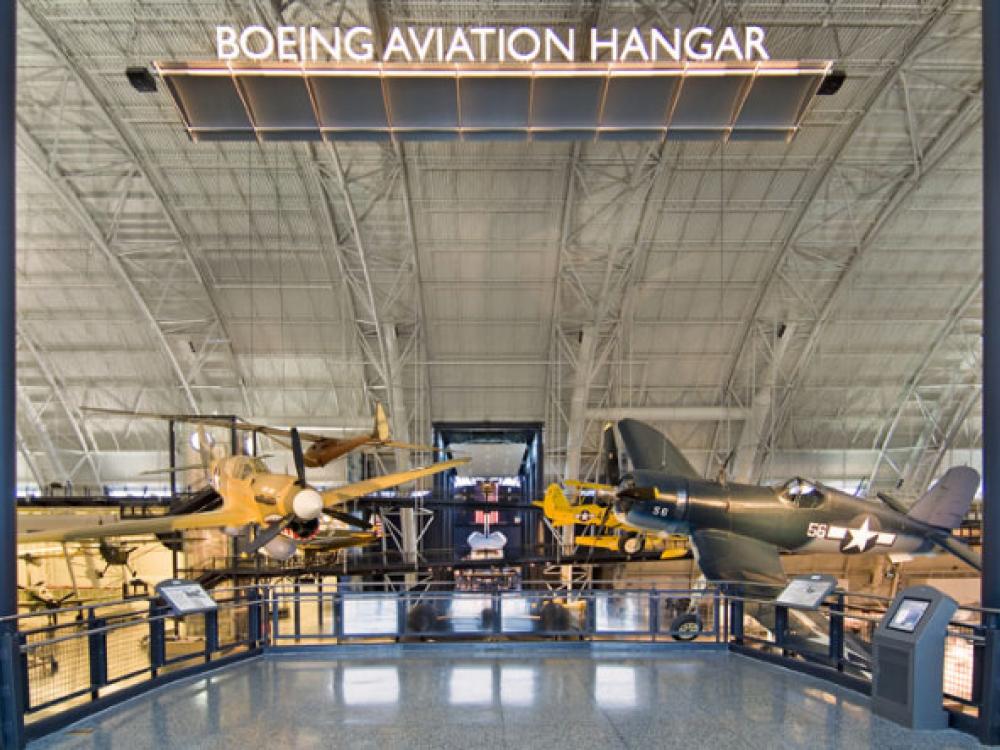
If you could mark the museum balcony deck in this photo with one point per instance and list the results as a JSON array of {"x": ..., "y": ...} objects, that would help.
[{"x": 560, "y": 695}]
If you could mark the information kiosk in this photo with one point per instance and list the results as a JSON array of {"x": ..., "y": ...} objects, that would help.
[{"x": 908, "y": 659}]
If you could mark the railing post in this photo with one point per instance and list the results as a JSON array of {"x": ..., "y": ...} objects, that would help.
[
  {"x": 211, "y": 633},
  {"x": 654, "y": 614},
  {"x": 780, "y": 627},
  {"x": 254, "y": 619},
  {"x": 97, "y": 643},
  {"x": 837, "y": 632},
  {"x": 13, "y": 691},
  {"x": 157, "y": 638},
  {"x": 736, "y": 620},
  {"x": 297, "y": 610}
]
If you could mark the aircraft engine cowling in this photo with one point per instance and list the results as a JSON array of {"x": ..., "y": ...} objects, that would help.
[
  {"x": 280, "y": 548},
  {"x": 307, "y": 504}
]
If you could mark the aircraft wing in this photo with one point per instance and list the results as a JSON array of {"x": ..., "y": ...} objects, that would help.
[
  {"x": 340, "y": 539},
  {"x": 724, "y": 556},
  {"x": 340, "y": 495},
  {"x": 159, "y": 525},
  {"x": 207, "y": 420}
]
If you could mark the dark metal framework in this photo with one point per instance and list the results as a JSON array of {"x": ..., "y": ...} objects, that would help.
[{"x": 111, "y": 652}]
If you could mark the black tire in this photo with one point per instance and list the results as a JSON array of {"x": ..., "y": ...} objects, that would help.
[
  {"x": 686, "y": 627},
  {"x": 487, "y": 619},
  {"x": 420, "y": 619},
  {"x": 554, "y": 618}
]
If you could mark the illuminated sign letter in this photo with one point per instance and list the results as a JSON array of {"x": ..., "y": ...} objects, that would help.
[
  {"x": 634, "y": 45},
  {"x": 729, "y": 44},
  {"x": 535, "y": 41},
  {"x": 225, "y": 43},
  {"x": 704, "y": 50},
  {"x": 367, "y": 52},
  {"x": 396, "y": 44},
  {"x": 265, "y": 35},
  {"x": 755, "y": 43},
  {"x": 672, "y": 47},
  {"x": 286, "y": 43},
  {"x": 330, "y": 46},
  {"x": 422, "y": 49},
  {"x": 459, "y": 46},
  {"x": 552, "y": 40},
  {"x": 596, "y": 45},
  {"x": 482, "y": 33}
]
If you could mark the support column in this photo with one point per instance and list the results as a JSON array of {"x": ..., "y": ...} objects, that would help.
[
  {"x": 11, "y": 720},
  {"x": 401, "y": 432},
  {"x": 8, "y": 455},
  {"x": 989, "y": 722}
]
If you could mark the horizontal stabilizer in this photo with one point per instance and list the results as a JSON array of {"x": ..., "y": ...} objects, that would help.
[
  {"x": 647, "y": 448},
  {"x": 945, "y": 504}
]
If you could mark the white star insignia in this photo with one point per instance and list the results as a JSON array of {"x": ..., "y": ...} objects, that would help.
[{"x": 860, "y": 537}]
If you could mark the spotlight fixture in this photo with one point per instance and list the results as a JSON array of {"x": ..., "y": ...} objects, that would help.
[
  {"x": 141, "y": 79},
  {"x": 832, "y": 83}
]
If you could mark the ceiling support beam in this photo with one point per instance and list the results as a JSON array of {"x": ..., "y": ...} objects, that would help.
[
  {"x": 30, "y": 413},
  {"x": 755, "y": 428},
  {"x": 906, "y": 401},
  {"x": 578, "y": 401},
  {"x": 953, "y": 135},
  {"x": 81, "y": 434},
  {"x": 830, "y": 164},
  {"x": 41, "y": 162},
  {"x": 217, "y": 328},
  {"x": 668, "y": 413}
]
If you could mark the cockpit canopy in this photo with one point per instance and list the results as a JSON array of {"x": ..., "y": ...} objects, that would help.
[
  {"x": 243, "y": 467},
  {"x": 802, "y": 493}
]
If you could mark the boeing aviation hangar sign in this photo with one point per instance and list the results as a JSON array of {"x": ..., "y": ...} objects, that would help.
[
  {"x": 485, "y": 44},
  {"x": 492, "y": 83}
]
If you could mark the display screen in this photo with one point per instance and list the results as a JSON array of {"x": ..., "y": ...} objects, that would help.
[{"x": 908, "y": 614}]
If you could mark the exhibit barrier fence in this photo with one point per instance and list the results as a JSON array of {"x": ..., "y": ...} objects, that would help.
[{"x": 71, "y": 662}]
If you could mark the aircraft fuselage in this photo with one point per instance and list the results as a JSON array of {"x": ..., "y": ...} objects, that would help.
[{"x": 824, "y": 520}]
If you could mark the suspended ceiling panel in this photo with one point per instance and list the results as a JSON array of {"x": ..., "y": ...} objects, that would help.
[{"x": 752, "y": 101}]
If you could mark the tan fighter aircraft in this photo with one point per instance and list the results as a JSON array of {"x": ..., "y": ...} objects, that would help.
[
  {"x": 322, "y": 449},
  {"x": 283, "y": 508}
]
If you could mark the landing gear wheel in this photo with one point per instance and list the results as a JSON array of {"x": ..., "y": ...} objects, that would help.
[
  {"x": 632, "y": 544},
  {"x": 686, "y": 627},
  {"x": 420, "y": 619},
  {"x": 554, "y": 617}
]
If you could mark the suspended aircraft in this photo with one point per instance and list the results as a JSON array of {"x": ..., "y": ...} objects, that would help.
[
  {"x": 610, "y": 532},
  {"x": 738, "y": 530},
  {"x": 322, "y": 448},
  {"x": 283, "y": 509}
]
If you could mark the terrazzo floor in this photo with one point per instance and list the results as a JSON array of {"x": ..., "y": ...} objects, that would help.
[{"x": 519, "y": 697}]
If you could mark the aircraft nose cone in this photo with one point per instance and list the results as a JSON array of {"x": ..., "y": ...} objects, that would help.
[{"x": 308, "y": 504}]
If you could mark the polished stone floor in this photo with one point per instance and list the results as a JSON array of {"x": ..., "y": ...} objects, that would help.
[{"x": 474, "y": 697}]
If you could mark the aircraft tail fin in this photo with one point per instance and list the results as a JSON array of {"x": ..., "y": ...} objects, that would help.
[
  {"x": 555, "y": 501},
  {"x": 945, "y": 504},
  {"x": 381, "y": 431},
  {"x": 648, "y": 448}
]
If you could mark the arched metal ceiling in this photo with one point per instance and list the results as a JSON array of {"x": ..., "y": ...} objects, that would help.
[{"x": 811, "y": 306}]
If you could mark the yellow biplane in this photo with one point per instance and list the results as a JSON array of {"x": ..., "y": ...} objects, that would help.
[{"x": 560, "y": 511}]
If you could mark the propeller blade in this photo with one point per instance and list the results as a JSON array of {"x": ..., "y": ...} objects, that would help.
[
  {"x": 300, "y": 461},
  {"x": 268, "y": 533},
  {"x": 204, "y": 450},
  {"x": 349, "y": 519}
]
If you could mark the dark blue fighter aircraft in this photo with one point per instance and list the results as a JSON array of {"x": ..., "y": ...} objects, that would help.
[{"x": 738, "y": 530}]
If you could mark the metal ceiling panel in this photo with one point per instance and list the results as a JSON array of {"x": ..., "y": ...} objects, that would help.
[{"x": 691, "y": 101}]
